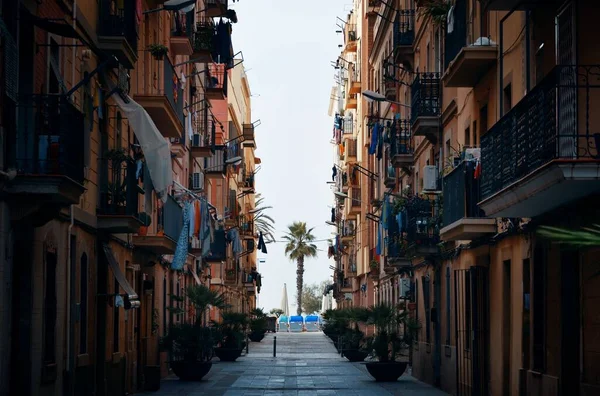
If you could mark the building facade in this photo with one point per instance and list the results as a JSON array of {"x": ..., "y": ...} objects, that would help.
[
  {"x": 474, "y": 124},
  {"x": 116, "y": 115}
]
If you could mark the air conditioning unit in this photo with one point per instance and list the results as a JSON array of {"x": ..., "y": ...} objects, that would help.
[
  {"x": 430, "y": 178},
  {"x": 197, "y": 140},
  {"x": 198, "y": 181},
  {"x": 404, "y": 286}
]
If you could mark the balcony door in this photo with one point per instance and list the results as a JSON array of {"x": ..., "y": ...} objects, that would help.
[{"x": 566, "y": 91}]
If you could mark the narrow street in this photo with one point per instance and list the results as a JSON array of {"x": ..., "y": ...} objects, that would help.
[{"x": 306, "y": 364}]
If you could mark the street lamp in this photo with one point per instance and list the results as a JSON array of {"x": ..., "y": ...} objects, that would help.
[{"x": 373, "y": 96}]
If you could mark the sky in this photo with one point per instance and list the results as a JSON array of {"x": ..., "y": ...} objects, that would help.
[{"x": 287, "y": 48}]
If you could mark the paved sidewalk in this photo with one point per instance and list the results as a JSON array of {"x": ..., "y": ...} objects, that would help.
[{"x": 306, "y": 364}]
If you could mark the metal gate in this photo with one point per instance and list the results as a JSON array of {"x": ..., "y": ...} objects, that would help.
[{"x": 472, "y": 331}]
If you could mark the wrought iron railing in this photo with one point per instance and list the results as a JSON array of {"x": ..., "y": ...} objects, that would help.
[
  {"x": 215, "y": 77},
  {"x": 355, "y": 197},
  {"x": 218, "y": 248},
  {"x": 183, "y": 24},
  {"x": 553, "y": 121},
  {"x": 216, "y": 163},
  {"x": 351, "y": 147},
  {"x": 401, "y": 141},
  {"x": 404, "y": 28},
  {"x": 119, "y": 21},
  {"x": 246, "y": 225},
  {"x": 426, "y": 96},
  {"x": 203, "y": 39},
  {"x": 348, "y": 228},
  {"x": 50, "y": 137},
  {"x": 173, "y": 89},
  {"x": 422, "y": 221},
  {"x": 461, "y": 194},
  {"x": 120, "y": 195}
]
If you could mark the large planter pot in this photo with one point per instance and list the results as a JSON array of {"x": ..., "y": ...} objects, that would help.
[
  {"x": 228, "y": 354},
  {"x": 355, "y": 355},
  {"x": 191, "y": 370},
  {"x": 151, "y": 378},
  {"x": 256, "y": 336},
  {"x": 386, "y": 371}
]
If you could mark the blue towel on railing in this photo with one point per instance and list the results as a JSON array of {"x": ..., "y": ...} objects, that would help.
[
  {"x": 181, "y": 251},
  {"x": 374, "y": 138}
]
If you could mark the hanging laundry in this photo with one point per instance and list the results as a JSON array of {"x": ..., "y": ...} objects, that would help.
[
  {"x": 236, "y": 243},
  {"x": 333, "y": 215},
  {"x": 181, "y": 251},
  {"x": 192, "y": 220},
  {"x": 261, "y": 244},
  {"x": 477, "y": 173},
  {"x": 374, "y": 138},
  {"x": 334, "y": 169},
  {"x": 342, "y": 149},
  {"x": 330, "y": 252},
  {"x": 197, "y": 219},
  {"x": 379, "y": 237}
]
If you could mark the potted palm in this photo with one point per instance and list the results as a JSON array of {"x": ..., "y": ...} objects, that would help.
[
  {"x": 258, "y": 325},
  {"x": 394, "y": 335},
  {"x": 353, "y": 340},
  {"x": 190, "y": 345},
  {"x": 231, "y": 331}
]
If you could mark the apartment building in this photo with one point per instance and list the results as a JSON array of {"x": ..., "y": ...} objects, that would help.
[
  {"x": 476, "y": 117},
  {"x": 114, "y": 115}
]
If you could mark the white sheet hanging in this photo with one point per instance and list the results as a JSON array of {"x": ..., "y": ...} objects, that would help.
[{"x": 156, "y": 149}]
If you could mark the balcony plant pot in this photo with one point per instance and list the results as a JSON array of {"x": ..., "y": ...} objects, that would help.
[
  {"x": 386, "y": 371},
  {"x": 191, "y": 370},
  {"x": 143, "y": 231},
  {"x": 228, "y": 354},
  {"x": 355, "y": 355},
  {"x": 158, "y": 51},
  {"x": 256, "y": 336},
  {"x": 152, "y": 378}
]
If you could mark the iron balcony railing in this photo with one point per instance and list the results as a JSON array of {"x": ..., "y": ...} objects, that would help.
[
  {"x": 50, "y": 137},
  {"x": 120, "y": 195},
  {"x": 420, "y": 220},
  {"x": 461, "y": 194},
  {"x": 203, "y": 38},
  {"x": 183, "y": 24},
  {"x": 404, "y": 28},
  {"x": 171, "y": 218},
  {"x": 246, "y": 225},
  {"x": 218, "y": 247},
  {"x": 216, "y": 163},
  {"x": 401, "y": 141},
  {"x": 426, "y": 96},
  {"x": 119, "y": 19},
  {"x": 351, "y": 147},
  {"x": 355, "y": 197},
  {"x": 247, "y": 179},
  {"x": 173, "y": 89},
  {"x": 554, "y": 121},
  {"x": 205, "y": 128},
  {"x": 215, "y": 78},
  {"x": 348, "y": 228}
]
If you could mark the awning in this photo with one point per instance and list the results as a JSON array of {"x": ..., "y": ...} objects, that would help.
[
  {"x": 195, "y": 275},
  {"x": 119, "y": 275},
  {"x": 155, "y": 147},
  {"x": 179, "y": 5}
]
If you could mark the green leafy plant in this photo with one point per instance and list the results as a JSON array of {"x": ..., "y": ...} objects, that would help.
[
  {"x": 394, "y": 332},
  {"x": 158, "y": 51},
  {"x": 203, "y": 38},
  {"x": 231, "y": 330},
  {"x": 436, "y": 9},
  {"x": 258, "y": 323}
]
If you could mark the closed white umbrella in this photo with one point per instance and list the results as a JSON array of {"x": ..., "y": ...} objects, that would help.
[{"x": 284, "y": 302}]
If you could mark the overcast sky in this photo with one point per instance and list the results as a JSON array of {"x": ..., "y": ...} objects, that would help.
[{"x": 287, "y": 47}]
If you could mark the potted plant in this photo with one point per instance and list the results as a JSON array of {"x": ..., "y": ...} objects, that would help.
[
  {"x": 158, "y": 51},
  {"x": 394, "y": 335},
  {"x": 146, "y": 220},
  {"x": 230, "y": 331},
  {"x": 353, "y": 340},
  {"x": 190, "y": 345},
  {"x": 258, "y": 325}
]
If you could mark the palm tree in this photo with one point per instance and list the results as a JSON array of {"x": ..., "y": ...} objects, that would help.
[
  {"x": 263, "y": 222},
  {"x": 297, "y": 248},
  {"x": 586, "y": 237}
]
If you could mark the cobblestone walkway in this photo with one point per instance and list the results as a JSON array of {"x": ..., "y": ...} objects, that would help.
[{"x": 306, "y": 364}]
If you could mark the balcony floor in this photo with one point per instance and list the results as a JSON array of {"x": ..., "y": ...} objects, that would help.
[
  {"x": 162, "y": 113},
  {"x": 547, "y": 188},
  {"x": 119, "y": 224},
  {"x": 181, "y": 45},
  {"x": 470, "y": 65},
  {"x": 155, "y": 243},
  {"x": 50, "y": 189},
  {"x": 468, "y": 228},
  {"x": 119, "y": 47}
]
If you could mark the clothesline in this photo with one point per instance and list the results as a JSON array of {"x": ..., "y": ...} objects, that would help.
[{"x": 194, "y": 195}]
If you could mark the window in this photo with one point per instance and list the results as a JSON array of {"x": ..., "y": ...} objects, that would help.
[
  {"x": 475, "y": 135},
  {"x": 507, "y": 98},
  {"x": 118, "y": 134},
  {"x": 467, "y": 137},
  {"x": 526, "y": 329},
  {"x": 448, "y": 305},
  {"x": 50, "y": 308},
  {"x": 417, "y": 308},
  {"x": 164, "y": 306},
  {"x": 483, "y": 120},
  {"x": 467, "y": 333},
  {"x": 539, "y": 309},
  {"x": 83, "y": 303},
  {"x": 427, "y": 308},
  {"x": 54, "y": 74},
  {"x": 428, "y": 58},
  {"x": 438, "y": 52}
]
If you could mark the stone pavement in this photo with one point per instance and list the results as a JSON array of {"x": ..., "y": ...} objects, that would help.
[{"x": 306, "y": 364}]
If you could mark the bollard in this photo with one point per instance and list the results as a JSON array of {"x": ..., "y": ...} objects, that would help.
[
  {"x": 275, "y": 346},
  {"x": 247, "y": 344}
]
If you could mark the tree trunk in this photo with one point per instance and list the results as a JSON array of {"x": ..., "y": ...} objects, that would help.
[{"x": 299, "y": 284}]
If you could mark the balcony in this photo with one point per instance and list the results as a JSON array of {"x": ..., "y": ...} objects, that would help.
[
  {"x": 508, "y": 5},
  {"x": 178, "y": 147},
  {"x": 248, "y": 133},
  {"x": 396, "y": 252},
  {"x": 165, "y": 103},
  {"x": 346, "y": 285},
  {"x": 404, "y": 36},
  {"x": 351, "y": 149},
  {"x": 465, "y": 65},
  {"x": 390, "y": 90},
  {"x": 355, "y": 196},
  {"x": 169, "y": 226},
  {"x": 350, "y": 37},
  {"x": 215, "y": 82},
  {"x": 232, "y": 276},
  {"x": 426, "y": 105},
  {"x": 348, "y": 230},
  {"x": 545, "y": 152},
  {"x": 215, "y": 166},
  {"x": 390, "y": 177},
  {"x": 421, "y": 226},
  {"x": 48, "y": 152},
  {"x": 351, "y": 102},
  {"x": 215, "y": 8},
  {"x": 203, "y": 41},
  {"x": 182, "y": 33},
  {"x": 462, "y": 217},
  {"x": 246, "y": 226},
  {"x": 401, "y": 145},
  {"x": 354, "y": 83},
  {"x": 201, "y": 146},
  {"x": 218, "y": 248},
  {"x": 247, "y": 180},
  {"x": 118, "y": 31},
  {"x": 118, "y": 211}
]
